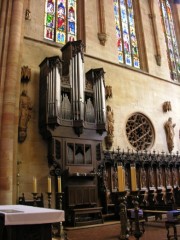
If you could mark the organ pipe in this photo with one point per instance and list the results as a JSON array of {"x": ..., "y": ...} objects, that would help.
[
  {"x": 53, "y": 91},
  {"x": 97, "y": 77},
  {"x": 100, "y": 95},
  {"x": 81, "y": 87},
  {"x": 103, "y": 109},
  {"x": 77, "y": 80},
  {"x": 58, "y": 91}
]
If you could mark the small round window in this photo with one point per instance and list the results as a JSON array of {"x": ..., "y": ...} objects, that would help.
[{"x": 140, "y": 132}]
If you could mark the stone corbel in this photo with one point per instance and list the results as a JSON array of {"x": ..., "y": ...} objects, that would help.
[
  {"x": 155, "y": 32},
  {"x": 25, "y": 74},
  {"x": 167, "y": 106},
  {"x": 102, "y": 36},
  {"x": 28, "y": 12},
  {"x": 108, "y": 91}
]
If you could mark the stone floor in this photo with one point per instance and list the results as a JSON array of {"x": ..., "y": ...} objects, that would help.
[{"x": 154, "y": 230}]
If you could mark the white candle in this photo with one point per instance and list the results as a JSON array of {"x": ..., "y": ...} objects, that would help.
[
  {"x": 133, "y": 179},
  {"x": 34, "y": 185},
  {"x": 59, "y": 184},
  {"x": 49, "y": 184},
  {"x": 121, "y": 179}
]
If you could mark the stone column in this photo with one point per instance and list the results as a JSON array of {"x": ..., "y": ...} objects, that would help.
[
  {"x": 5, "y": 17},
  {"x": 11, "y": 79}
]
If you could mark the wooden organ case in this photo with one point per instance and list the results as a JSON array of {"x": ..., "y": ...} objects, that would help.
[{"x": 72, "y": 116}]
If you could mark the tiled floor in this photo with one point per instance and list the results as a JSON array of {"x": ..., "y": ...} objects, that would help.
[{"x": 111, "y": 231}]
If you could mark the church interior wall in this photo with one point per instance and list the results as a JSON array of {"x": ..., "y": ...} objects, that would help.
[{"x": 133, "y": 91}]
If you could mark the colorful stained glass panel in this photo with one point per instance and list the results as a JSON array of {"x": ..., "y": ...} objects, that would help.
[
  {"x": 118, "y": 32},
  {"x": 169, "y": 30},
  {"x": 125, "y": 33},
  {"x": 60, "y": 20},
  {"x": 49, "y": 19},
  {"x": 72, "y": 20}
]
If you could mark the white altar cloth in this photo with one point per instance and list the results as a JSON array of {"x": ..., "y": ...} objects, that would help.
[{"x": 23, "y": 215}]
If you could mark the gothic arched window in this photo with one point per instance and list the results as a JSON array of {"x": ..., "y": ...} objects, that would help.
[
  {"x": 171, "y": 41},
  {"x": 127, "y": 44},
  {"x": 61, "y": 17}
]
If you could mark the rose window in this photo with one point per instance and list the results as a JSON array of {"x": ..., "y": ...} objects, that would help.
[{"x": 140, "y": 132}]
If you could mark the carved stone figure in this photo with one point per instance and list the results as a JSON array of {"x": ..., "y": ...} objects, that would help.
[
  {"x": 25, "y": 108},
  {"x": 115, "y": 180},
  {"x": 109, "y": 127},
  {"x": 151, "y": 178},
  {"x": 175, "y": 177},
  {"x": 143, "y": 178},
  {"x": 169, "y": 129},
  {"x": 160, "y": 177},
  {"x": 168, "y": 177},
  {"x": 110, "y": 121}
]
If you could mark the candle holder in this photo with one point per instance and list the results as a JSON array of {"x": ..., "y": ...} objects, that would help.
[
  {"x": 124, "y": 235},
  {"x": 35, "y": 199},
  {"x": 49, "y": 199},
  {"x": 59, "y": 198},
  {"x": 137, "y": 232},
  {"x": 58, "y": 230},
  {"x": 135, "y": 197}
]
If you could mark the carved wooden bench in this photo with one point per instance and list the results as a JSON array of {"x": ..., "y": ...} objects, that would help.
[
  {"x": 174, "y": 225},
  {"x": 141, "y": 224},
  {"x": 30, "y": 202},
  {"x": 156, "y": 213},
  {"x": 132, "y": 220},
  {"x": 86, "y": 216}
]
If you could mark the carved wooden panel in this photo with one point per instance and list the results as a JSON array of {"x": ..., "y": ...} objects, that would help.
[
  {"x": 78, "y": 154},
  {"x": 82, "y": 196}
]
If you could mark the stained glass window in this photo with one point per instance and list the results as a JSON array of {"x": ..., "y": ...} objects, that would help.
[
  {"x": 172, "y": 47},
  {"x": 60, "y": 20},
  {"x": 126, "y": 33}
]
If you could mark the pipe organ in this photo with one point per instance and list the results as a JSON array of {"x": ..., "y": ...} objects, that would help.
[
  {"x": 72, "y": 120},
  {"x": 70, "y": 97}
]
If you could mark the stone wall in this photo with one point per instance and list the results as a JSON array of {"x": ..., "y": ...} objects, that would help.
[{"x": 133, "y": 90}]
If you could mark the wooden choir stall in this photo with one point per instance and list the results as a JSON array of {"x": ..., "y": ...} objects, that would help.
[{"x": 156, "y": 181}]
